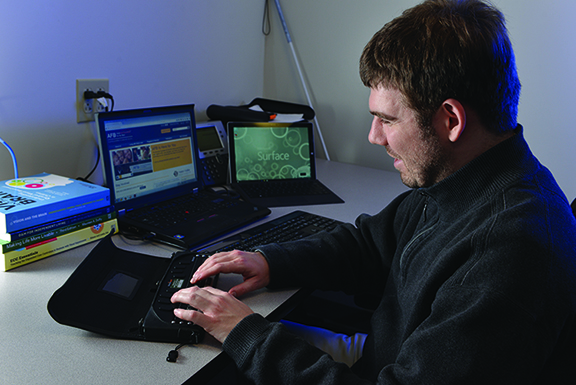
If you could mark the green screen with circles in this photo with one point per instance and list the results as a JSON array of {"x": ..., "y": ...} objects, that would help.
[{"x": 271, "y": 153}]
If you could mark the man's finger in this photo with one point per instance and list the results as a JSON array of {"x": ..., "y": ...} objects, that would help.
[{"x": 216, "y": 264}]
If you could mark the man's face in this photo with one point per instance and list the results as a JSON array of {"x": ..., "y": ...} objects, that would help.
[{"x": 417, "y": 152}]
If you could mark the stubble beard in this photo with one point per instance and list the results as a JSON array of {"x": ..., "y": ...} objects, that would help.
[{"x": 427, "y": 166}]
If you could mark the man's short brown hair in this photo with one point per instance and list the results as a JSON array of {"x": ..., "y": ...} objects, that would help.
[{"x": 444, "y": 49}]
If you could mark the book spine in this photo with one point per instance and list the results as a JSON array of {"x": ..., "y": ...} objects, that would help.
[
  {"x": 53, "y": 211},
  {"x": 33, "y": 239},
  {"x": 32, "y": 253},
  {"x": 45, "y": 227}
]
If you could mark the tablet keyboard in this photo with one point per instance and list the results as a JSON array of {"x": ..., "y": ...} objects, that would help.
[{"x": 277, "y": 188}]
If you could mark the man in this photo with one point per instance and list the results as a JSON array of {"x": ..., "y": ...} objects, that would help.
[{"x": 473, "y": 270}]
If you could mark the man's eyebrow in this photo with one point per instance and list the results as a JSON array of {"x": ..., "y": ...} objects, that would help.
[{"x": 384, "y": 116}]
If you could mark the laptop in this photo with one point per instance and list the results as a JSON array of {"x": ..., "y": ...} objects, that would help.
[
  {"x": 273, "y": 164},
  {"x": 150, "y": 163}
]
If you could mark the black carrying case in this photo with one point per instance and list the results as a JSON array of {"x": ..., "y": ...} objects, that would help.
[
  {"x": 93, "y": 300},
  {"x": 270, "y": 107}
]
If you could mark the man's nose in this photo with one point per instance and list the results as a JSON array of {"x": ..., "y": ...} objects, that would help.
[{"x": 377, "y": 134}]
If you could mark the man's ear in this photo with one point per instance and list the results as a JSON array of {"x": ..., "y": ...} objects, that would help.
[{"x": 452, "y": 117}]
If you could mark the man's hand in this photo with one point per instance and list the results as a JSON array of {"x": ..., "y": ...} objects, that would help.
[
  {"x": 218, "y": 312},
  {"x": 253, "y": 267}
]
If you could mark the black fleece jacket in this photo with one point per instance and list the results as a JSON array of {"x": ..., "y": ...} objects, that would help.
[{"x": 474, "y": 280}]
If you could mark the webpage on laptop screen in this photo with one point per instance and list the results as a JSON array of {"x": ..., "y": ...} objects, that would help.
[{"x": 149, "y": 154}]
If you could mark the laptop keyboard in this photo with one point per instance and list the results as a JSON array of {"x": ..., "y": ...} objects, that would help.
[
  {"x": 284, "y": 188},
  {"x": 293, "y": 226},
  {"x": 180, "y": 210}
]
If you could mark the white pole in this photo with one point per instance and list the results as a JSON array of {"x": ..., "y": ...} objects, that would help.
[{"x": 301, "y": 76}]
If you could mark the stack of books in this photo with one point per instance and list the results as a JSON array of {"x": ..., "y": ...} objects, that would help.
[{"x": 46, "y": 214}]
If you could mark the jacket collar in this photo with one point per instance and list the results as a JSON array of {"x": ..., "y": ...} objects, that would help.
[{"x": 500, "y": 166}]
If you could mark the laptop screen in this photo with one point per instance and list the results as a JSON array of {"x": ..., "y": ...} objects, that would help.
[
  {"x": 147, "y": 151},
  {"x": 267, "y": 151}
]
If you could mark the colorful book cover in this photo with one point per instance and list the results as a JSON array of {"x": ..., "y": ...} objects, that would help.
[
  {"x": 34, "y": 239},
  {"x": 32, "y": 253},
  {"x": 54, "y": 225},
  {"x": 26, "y": 202}
]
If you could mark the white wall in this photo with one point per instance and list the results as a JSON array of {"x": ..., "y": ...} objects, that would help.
[
  {"x": 329, "y": 35},
  {"x": 154, "y": 52},
  {"x": 191, "y": 51}
]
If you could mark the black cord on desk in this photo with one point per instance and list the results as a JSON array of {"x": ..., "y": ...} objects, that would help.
[{"x": 173, "y": 354}]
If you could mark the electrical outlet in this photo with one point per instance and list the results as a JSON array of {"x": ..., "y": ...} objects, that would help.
[{"x": 85, "y": 109}]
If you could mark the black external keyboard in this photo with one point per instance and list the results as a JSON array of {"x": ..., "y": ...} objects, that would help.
[
  {"x": 290, "y": 227},
  {"x": 160, "y": 322}
]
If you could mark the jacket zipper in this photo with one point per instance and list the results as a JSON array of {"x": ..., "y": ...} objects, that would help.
[
  {"x": 414, "y": 239},
  {"x": 425, "y": 206}
]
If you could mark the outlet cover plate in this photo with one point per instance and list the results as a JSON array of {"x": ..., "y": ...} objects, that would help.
[{"x": 85, "y": 109}]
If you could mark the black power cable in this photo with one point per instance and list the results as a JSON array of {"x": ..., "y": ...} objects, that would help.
[{"x": 96, "y": 95}]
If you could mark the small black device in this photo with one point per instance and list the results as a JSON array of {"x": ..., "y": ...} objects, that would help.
[
  {"x": 160, "y": 323},
  {"x": 213, "y": 151}
]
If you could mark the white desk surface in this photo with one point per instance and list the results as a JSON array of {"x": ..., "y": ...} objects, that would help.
[{"x": 34, "y": 349}]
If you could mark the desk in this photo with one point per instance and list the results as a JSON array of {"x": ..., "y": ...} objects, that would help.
[{"x": 34, "y": 349}]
